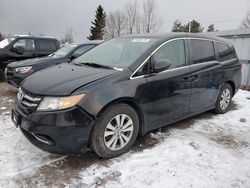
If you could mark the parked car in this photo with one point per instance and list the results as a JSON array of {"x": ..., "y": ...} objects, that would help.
[
  {"x": 16, "y": 72},
  {"x": 123, "y": 88},
  {"x": 21, "y": 47}
]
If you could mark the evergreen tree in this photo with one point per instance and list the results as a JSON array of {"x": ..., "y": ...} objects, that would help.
[
  {"x": 97, "y": 30},
  {"x": 195, "y": 27},
  {"x": 211, "y": 28},
  {"x": 177, "y": 26}
]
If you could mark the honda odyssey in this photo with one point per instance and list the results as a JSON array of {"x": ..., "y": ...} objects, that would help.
[{"x": 124, "y": 88}]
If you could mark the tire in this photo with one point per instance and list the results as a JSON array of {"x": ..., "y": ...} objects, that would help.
[
  {"x": 117, "y": 140},
  {"x": 2, "y": 75},
  {"x": 226, "y": 94}
]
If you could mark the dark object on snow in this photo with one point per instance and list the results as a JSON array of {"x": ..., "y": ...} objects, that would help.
[{"x": 243, "y": 120}]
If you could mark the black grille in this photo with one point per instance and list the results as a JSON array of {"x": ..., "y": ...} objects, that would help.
[{"x": 27, "y": 102}]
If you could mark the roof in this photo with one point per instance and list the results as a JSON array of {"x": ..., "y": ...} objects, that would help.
[
  {"x": 85, "y": 43},
  {"x": 93, "y": 42},
  {"x": 166, "y": 36},
  {"x": 35, "y": 36}
]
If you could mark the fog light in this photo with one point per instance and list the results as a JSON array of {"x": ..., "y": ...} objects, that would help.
[{"x": 44, "y": 139}]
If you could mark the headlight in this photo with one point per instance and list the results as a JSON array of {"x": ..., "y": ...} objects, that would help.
[
  {"x": 59, "y": 103},
  {"x": 23, "y": 69}
]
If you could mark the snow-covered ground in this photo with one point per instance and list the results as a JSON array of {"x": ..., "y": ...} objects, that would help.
[{"x": 204, "y": 151}]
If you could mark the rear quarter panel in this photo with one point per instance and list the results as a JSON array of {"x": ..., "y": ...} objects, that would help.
[{"x": 231, "y": 72}]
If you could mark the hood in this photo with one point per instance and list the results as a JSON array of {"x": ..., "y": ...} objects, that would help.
[
  {"x": 63, "y": 79},
  {"x": 34, "y": 61}
]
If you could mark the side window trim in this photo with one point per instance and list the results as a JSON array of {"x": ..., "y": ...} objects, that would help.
[
  {"x": 146, "y": 60},
  {"x": 184, "y": 46},
  {"x": 187, "y": 50}
]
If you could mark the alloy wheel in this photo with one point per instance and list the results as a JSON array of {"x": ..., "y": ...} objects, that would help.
[
  {"x": 225, "y": 99},
  {"x": 118, "y": 132}
]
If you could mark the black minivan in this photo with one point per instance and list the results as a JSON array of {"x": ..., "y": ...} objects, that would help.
[{"x": 123, "y": 88}]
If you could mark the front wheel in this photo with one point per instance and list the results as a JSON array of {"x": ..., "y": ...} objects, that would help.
[
  {"x": 224, "y": 99},
  {"x": 115, "y": 131}
]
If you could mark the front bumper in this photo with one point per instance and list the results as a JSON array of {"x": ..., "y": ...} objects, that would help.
[
  {"x": 14, "y": 78},
  {"x": 14, "y": 81},
  {"x": 60, "y": 132}
]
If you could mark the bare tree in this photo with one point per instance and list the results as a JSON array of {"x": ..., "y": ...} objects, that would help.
[
  {"x": 133, "y": 19},
  {"x": 116, "y": 23},
  {"x": 138, "y": 24},
  {"x": 151, "y": 20},
  {"x": 68, "y": 36},
  {"x": 246, "y": 21},
  {"x": 109, "y": 31},
  {"x": 132, "y": 14}
]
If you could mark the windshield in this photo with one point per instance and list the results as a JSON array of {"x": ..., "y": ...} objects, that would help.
[
  {"x": 6, "y": 42},
  {"x": 121, "y": 52},
  {"x": 64, "y": 51}
]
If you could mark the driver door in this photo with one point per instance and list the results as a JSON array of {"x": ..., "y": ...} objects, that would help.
[{"x": 169, "y": 92}]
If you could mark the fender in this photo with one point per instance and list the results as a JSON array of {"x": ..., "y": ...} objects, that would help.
[{"x": 122, "y": 91}]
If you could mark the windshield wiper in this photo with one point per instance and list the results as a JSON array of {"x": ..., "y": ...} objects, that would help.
[{"x": 96, "y": 65}]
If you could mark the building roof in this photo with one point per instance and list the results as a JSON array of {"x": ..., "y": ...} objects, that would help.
[{"x": 237, "y": 33}]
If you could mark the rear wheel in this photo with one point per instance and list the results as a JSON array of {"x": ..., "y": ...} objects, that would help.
[
  {"x": 115, "y": 131},
  {"x": 224, "y": 99},
  {"x": 2, "y": 76}
]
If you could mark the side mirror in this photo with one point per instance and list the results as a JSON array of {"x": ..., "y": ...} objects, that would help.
[
  {"x": 18, "y": 50},
  {"x": 73, "y": 56},
  {"x": 161, "y": 65}
]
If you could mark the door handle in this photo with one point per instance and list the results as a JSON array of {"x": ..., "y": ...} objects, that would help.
[
  {"x": 195, "y": 77},
  {"x": 187, "y": 79},
  {"x": 191, "y": 78}
]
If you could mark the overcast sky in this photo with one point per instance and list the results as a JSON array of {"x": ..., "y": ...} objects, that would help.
[{"x": 54, "y": 17}]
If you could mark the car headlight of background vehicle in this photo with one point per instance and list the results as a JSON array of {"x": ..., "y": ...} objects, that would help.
[
  {"x": 59, "y": 103},
  {"x": 23, "y": 69}
]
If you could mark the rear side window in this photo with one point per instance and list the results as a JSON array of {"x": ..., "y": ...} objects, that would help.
[
  {"x": 47, "y": 45},
  {"x": 225, "y": 52},
  {"x": 174, "y": 52},
  {"x": 202, "y": 51}
]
